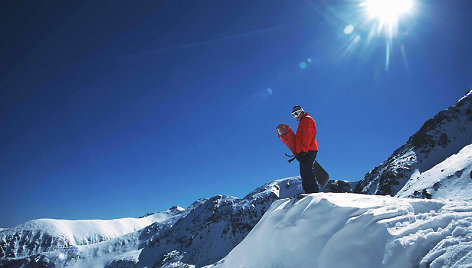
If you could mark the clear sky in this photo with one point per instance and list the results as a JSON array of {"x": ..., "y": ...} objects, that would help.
[{"x": 113, "y": 109}]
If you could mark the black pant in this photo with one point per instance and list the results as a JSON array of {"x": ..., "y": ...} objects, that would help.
[{"x": 308, "y": 174}]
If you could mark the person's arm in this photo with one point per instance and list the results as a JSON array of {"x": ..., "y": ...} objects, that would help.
[{"x": 309, "y": 133}]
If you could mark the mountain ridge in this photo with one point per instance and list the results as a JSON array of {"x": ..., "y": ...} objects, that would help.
[{"x": 439, "y": 137}]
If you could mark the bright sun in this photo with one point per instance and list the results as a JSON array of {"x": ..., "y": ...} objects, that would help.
[
  {"x": 387, "y": 11},
  {"x": 384, "y": 17}
]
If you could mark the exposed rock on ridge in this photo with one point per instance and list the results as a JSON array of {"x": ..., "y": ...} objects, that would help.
[{"x": 440, "y": 137}]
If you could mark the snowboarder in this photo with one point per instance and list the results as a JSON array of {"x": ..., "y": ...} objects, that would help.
[{"x": 306, "y": 148}]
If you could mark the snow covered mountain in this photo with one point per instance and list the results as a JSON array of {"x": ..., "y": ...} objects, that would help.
[
  {"x": 439, "y": 138},
  {"x": 450, "y": 179},
  {"x": 353, "y": 230},
  {"x": 56, "y": 242},
  {"x": 65, "y": 233}
]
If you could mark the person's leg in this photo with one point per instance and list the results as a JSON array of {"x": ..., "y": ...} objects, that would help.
[{"x": 308, "y": 175}]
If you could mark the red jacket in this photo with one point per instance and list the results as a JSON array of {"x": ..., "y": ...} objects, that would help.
[{"x": 306, "y": 135}]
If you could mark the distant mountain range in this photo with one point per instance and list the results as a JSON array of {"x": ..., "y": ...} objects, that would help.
[{"x": 436, "y": 162}]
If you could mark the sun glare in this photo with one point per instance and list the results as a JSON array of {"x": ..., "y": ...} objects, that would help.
[
  {"x": 388, "y": 11},
  {"x": 378, "y": 20}
]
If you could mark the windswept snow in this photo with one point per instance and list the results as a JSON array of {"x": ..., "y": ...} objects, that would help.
[{"x": 352, "y": 230}]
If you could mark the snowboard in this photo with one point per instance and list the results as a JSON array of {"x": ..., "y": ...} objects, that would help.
[
  {"x": 321, "y": 175},
  {"x": 287, "y": 136}
]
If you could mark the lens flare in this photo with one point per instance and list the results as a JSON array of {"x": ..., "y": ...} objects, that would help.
[
  {"x": 349, "y": 29},
  {"x": 303, "y": 65}
]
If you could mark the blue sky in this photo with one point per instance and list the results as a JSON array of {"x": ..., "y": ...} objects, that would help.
[{"x": 114, "y": 109}]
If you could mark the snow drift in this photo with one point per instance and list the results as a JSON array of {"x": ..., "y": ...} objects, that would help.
[{"x": 352, "y": 230}]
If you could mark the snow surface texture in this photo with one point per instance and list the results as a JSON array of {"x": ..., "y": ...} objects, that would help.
[
  {"x": 440, "y": 137},
  {"x": 452, "y": 178},
  {"x": 351, "y": 230}
]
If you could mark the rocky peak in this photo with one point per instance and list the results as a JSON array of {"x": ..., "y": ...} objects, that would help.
[{"x": 439, "y": 137}]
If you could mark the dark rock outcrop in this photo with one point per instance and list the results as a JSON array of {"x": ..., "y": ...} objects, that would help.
[{"x": 337, "y": 186}]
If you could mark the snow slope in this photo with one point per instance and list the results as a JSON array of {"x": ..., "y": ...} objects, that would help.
[
  {"x": 450, "y": 179},
  {"x": 352, "y": 230},
  {"x": 440, "y": 137},
  {"x": 47, "y": 241}
]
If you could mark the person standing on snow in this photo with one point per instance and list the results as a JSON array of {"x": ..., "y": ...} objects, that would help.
[{"x": 306, "y": 148}]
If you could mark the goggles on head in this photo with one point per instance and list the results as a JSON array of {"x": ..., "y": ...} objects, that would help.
[{"x": 296, "y": 113}]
